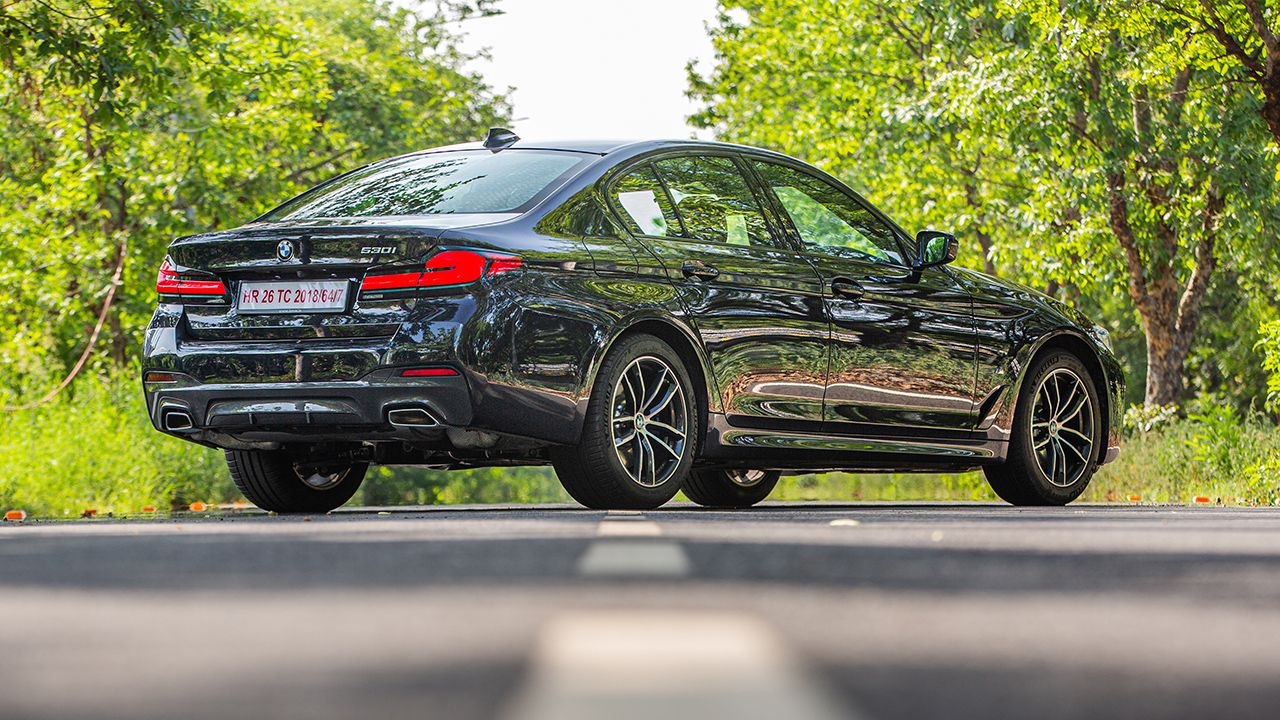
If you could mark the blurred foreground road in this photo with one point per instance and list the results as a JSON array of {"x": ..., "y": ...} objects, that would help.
[{"x": 537, "y": 612}]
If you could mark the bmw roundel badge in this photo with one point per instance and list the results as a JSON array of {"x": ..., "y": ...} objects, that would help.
[{"x": 284, "y": 251}]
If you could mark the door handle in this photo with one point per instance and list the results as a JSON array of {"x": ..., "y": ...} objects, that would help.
[
  {"x": 698, "y": 270},
  {"x": 846, "y": 288}
]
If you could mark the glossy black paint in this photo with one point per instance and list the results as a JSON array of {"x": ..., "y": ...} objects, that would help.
[{"x": 805, "y": 360}]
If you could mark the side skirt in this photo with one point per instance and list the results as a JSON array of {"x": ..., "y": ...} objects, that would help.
[{"x": 728, "y": 445}]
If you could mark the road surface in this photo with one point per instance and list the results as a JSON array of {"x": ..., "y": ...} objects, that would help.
[{"x": 532, "y": 612}]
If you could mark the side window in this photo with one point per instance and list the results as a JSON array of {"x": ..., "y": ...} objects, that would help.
[
  {"x": 714, "y": 200},
  {"x": 645, "y": 204},
  {"x": 828, "y": 218}
]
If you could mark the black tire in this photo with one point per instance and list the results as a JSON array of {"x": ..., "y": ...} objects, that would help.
[
  {"x": 271, "y": 480},
  {"x": 1021, "y": 479},
  {"x": 592, "y": 471},
  {"x": 730, "y": 488}
]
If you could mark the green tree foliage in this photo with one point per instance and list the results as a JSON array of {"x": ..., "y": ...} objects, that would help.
[
  {"x": 1090, "y": 149},
  {"x": 1238, "y": 36},
  {"x": 130, "y": 122},
  {"x": 869, "y": 91}
]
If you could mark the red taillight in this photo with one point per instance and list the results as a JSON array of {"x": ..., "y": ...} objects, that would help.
[
  {"x": 429, "y": 372},
  {"x": 171, "y": 282},
  {"x": 445, "y": 269}
]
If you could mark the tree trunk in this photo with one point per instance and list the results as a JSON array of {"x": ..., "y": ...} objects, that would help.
[
  {"x": 1166, "y": 358},
  {"x": 1271, "y": 105},
  {"x": 1170, "y": 310}
]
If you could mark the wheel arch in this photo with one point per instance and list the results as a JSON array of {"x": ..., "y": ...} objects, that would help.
[
  {"x": 1075, "y": 343},
  {"x": 684, "y": 341}
]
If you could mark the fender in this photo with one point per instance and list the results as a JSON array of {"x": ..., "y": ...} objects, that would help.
[{"x": 998, "y": 423}]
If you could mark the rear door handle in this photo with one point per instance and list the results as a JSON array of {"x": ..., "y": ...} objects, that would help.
[
  {"x": 698, "y": 270},
  {"x": 846, "y": 288}
]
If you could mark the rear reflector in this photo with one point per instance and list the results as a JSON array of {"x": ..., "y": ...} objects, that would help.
[
  {"x": 171, "y": 282},
  {"x": 429, "y": 372},
  {"x": 159, "y": 377},
  {"x": 449, "y": 268}
]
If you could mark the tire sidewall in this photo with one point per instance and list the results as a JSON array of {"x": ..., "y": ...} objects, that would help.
[
  {"x": 717, "y": 490},
  {"x": 268, "y": 480}
]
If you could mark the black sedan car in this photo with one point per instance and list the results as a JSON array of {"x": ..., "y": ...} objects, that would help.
[{"x": 646, "y": 317}]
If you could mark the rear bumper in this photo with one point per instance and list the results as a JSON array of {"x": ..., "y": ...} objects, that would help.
[
  {"x": 250, "y": 414},
  {"x": 241, "y": 394},
  {"x": 246, "y": 394}
]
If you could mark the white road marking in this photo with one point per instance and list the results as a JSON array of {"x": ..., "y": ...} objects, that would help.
[
  {"x": 844, "y": 522},
  {"x": 624, "y": 664},
  {"x": 634, "y": 558},
  {"x": 628, "y": 528}
]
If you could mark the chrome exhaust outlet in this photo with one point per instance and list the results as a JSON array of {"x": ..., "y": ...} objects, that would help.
[
  {"x": 412, "y": 417},
  {"x": 175, "y": 420}
]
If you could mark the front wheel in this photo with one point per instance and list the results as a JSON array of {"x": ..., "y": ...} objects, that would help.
[
  {"x": 273, "y": 480},
  {"x": 1057, "y": 435},
  {"x": 730, "y": 488},
  {"x": 640, "y": 433}
]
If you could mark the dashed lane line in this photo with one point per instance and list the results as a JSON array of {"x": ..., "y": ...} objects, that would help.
[{"x": 624, "y": 664}]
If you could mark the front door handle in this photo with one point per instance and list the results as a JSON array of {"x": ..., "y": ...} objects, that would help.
[
  {"x": 701, "y": 271},
  {"x": 846, "y": 288}
]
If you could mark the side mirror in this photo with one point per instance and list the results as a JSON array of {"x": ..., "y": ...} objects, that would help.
[{"x": 934, "y": 248}]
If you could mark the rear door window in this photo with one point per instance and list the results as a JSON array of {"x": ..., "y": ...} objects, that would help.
[
  {"x": 645, "y": 205},
  {"x": 713, "y": 200}
]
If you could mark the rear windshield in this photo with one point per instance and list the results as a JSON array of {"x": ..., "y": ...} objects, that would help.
[{"x": 447, "y": 182}]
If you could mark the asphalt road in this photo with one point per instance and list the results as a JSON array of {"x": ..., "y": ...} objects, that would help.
[{"x": 785, "y": 611}]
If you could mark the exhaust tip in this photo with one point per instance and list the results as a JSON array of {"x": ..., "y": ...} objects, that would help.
[
  {"x": 176, "y": 420},
  {"x": 411, "y": 417}
]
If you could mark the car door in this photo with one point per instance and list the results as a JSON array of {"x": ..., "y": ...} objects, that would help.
[
  {"x": 903, "y": 341},
  {"x": 756, "y": 302}
]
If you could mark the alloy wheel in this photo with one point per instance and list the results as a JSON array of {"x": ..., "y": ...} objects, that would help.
[
  {"x": 650, "y": 421},
  {"x": 317, "y": 480},
  {"x": 1062, "y": 427},
  {"x": 746, "y": 478}
]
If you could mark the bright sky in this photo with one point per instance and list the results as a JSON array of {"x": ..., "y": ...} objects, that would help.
[{"x": 595, "y": 68}]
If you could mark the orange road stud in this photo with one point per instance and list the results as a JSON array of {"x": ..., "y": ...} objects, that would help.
[
  {"x": 238, "y": 505},
  {"x": 1202, "y": 498},
  {"x": 1135, "y": 498},
  {"x": 16, "y": 515},
  {"x": 148, "y": 508},
  {"x": 198, "y": 506}
]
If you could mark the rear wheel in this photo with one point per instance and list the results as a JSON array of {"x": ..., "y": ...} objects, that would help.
[
  {"x": 273, "y": 480},
  {"x": 640, "y": 433},
  {"x": 1057, "y": 435},
  {"x": 730, "y": 488}
]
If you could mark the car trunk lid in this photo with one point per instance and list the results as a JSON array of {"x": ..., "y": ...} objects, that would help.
[{"x": 316, "y": 256}]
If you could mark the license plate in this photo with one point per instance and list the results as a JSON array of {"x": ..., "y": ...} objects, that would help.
[{"x": 283, "y": 297}]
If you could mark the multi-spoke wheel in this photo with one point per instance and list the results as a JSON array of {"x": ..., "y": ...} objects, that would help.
[
  {"x": 273, "y": 480},
  {"x": 1055, "y": 443},
  {"x": 640, "y": 432},
  {"x": 1062, "y": 427},
  {"x": 730, "y": 488},
  {"x": 650, "y": 421}
]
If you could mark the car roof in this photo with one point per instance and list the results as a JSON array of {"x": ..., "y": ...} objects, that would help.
[{"x": 600, "y": 146}]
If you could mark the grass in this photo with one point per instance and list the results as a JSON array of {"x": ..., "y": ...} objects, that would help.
[{"x": 94, "y": 448}]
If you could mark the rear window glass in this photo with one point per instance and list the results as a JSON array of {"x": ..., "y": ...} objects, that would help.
[{"x": 436, "y": 183}]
